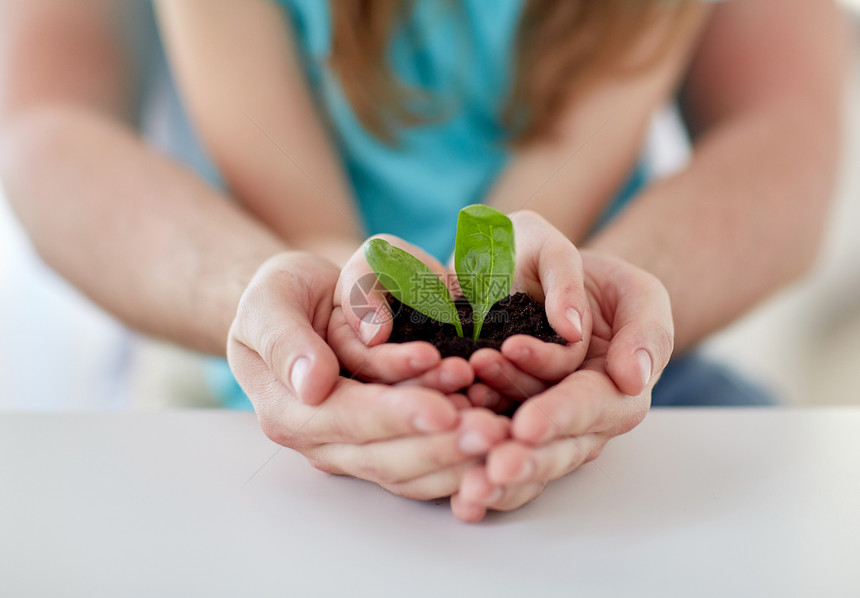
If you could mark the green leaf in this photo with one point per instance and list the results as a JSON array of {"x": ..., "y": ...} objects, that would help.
[
  {"x": 484, "y": 256},
  {"x": 412, "y": 282}
]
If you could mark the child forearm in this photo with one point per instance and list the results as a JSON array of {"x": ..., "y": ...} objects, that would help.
[{"x": 264, "y": 132}]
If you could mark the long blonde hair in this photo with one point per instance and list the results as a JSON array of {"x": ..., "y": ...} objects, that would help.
[{"x": 562, "y": 47}]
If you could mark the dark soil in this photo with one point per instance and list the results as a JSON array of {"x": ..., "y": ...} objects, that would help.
[{"x": 517, "y": 314}]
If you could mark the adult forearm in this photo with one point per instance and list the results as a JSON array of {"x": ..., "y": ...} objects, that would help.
[
  {"x": 743, "y": 219},
  {"x": 141, "y": 236}
]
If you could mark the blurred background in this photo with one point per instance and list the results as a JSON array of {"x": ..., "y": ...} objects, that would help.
[{"x": 58, "y": 351}]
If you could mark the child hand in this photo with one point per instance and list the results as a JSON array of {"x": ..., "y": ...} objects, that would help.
[
  {"x": 549, "y": 270},
  {"x": 361, "y": 323}
]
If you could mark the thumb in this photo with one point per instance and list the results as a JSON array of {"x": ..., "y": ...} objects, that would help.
[
  {"x": 282, "y": 317},
  {"x": 549, "y": 267},
  {"x": 642, "y": 331},
  {"x": 363, "y": 297}
]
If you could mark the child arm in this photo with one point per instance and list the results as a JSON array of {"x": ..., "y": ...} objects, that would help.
[{"x": 241, "y": 79}]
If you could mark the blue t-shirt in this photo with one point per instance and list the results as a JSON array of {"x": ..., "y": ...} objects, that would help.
[
  {"x": 416, "y": 188},
  {"x": 413, "y": 189}
]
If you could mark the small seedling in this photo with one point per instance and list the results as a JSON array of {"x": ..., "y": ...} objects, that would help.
[{"x": 484, "y": 258}]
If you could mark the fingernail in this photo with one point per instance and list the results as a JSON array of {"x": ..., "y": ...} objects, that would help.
[
  {"x": 298, "y": 374},
  {"x": 526, "y": 472},
  {"x": 496, "y": 496},
  {"x": 368, "y": 328},
  {"x": 473, "y": 443},
  {"x": 575, "y": 320},
  {"x": 645, "y": 365}
]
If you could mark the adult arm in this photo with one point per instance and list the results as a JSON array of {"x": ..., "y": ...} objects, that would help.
[
  {"x": 140, "y": 235},
  {"x": 150, "y": 242},
  {"x": 746, "y": 216},
  {"x": 719, "y": 235}
]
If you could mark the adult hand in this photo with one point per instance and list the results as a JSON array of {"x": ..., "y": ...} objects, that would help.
[
  {"x": 567, "y": 425},
  {"x": 410, "y": 440}
]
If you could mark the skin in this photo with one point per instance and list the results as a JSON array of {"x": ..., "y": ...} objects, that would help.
[
  {"x": 548, "y": 268},
  {"x": 551, "y": 433},
  {"x": 150, "y": 223},
  {"x": 286, "y": 145},
  {"x": 748, "y": 111},
  {"x": 63, "y": 111},
  {"x": 410, "y": 440},
  {"x": 753, "y": 86},
  {"x": 744, "y": 105},
  {"x": 616, "y": 352}
]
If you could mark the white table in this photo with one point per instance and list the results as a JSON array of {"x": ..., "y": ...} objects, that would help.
[{"x": 692, "y": 503}]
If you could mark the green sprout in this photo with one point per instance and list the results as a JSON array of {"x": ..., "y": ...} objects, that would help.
[{"x": 484, "y": 258}]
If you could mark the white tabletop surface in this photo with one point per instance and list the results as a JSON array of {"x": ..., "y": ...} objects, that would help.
[{"x": 691, "y": 503}]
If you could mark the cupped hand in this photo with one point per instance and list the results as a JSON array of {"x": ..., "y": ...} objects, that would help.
[
  {"x": 412, "y": 441},
  {"x": 559, "y": 429},
  {"x": 549, "y": 270},
  {"x": 361, "y": 323}
]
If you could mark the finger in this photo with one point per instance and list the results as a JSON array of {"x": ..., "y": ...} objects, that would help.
[
  {"x": 466, "y": 511},
  {"x": 477, "y": 489},
  {"x": 546, "y": 361},
  {"x": 450, "y": 375},
  {"x": 551, "y": 268},
  {"x": 514, "y": 497},
  {"x": 460, "y": 401},
  {"x": 283, "y": 321},
  {"x": 356, "y": 413},
  {"x": 469, "y": 506},
  {"x": 481, "y": 395},
  {"x": 514, "y": 463},
  {"x": 494, "y": 370},
  {"x": 363, "y": 297},
  {"x": 642, "y": 332},
  {"x": 438, "y": 484},
  {"x": 387, "y": 363},
  {"x": 585, "y": 402},
  {"x": 400, "y": 460}
]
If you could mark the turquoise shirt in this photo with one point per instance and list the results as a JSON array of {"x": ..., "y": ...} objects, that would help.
[{"x": 416, "y": 188}]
